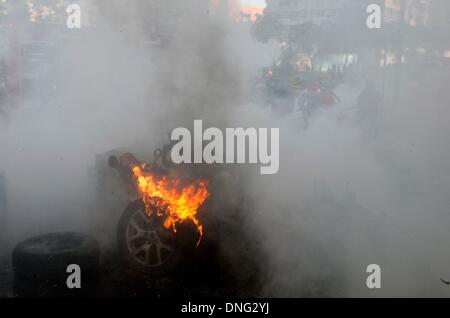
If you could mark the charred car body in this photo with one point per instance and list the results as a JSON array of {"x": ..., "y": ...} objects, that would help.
[{"x": 179, "y": 218}]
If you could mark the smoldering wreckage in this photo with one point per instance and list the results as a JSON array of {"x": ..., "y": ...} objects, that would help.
[
  {"x": 164, "y": 236},
  {"x": 161, "y": 231}
]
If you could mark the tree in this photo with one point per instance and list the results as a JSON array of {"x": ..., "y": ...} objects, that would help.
[
  {"x": 266, "y": 28},
  {"x": 306, "y": 37}
]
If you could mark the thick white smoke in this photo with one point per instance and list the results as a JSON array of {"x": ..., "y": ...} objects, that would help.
[{"x": 341, "y": 200}]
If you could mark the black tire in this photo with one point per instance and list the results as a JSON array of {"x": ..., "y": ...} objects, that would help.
[
  {"x": 40, "y": 264},
  {"x": 182, "y": 243}
]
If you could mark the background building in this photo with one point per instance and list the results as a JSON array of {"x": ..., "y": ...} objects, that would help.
[
  {"x": 439, "y": 13},
  {"x": 31, "y": 35},
  {"x": 413, "y": 12},
  {"x": 292, "y": 12}
]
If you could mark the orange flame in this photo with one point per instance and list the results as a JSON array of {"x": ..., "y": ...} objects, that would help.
[{"x": 166, "y": 197}]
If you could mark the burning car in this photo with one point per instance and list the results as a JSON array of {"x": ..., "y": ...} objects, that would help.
[
  {"x": 162, "y": 199},
  {"x": 186, "y": 223}
]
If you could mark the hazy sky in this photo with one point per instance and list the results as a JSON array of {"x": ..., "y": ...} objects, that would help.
[{"x": 261, "y": 3}]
